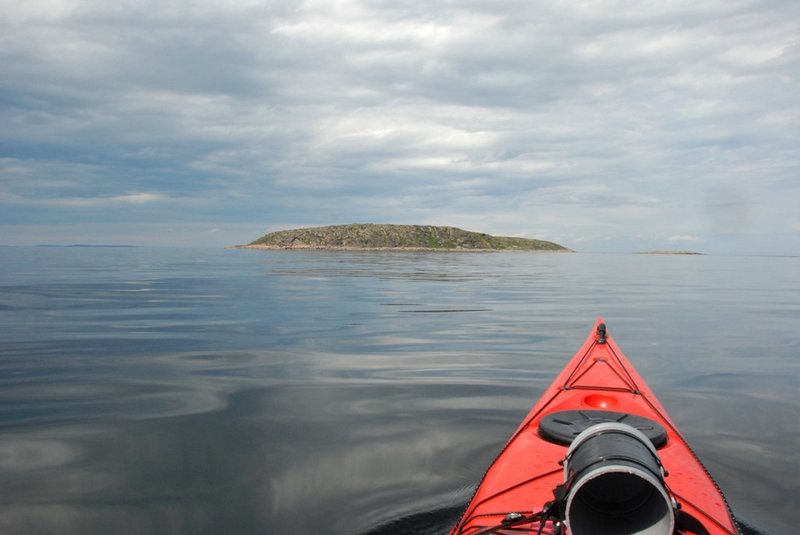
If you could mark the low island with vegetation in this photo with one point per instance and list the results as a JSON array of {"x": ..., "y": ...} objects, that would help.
[{"x": 397, "y": 237}]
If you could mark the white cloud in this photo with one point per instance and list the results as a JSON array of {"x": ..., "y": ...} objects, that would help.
[
  {"x": 684, "y": 238},
  {"x": 131, "y": 198},
  {"x": 521, "y": 118}
]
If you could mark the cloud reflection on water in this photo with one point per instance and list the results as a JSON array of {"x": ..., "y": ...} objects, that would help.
[
  {"x": 262, "y": 393},
  {"x": 168, "y": 438},
  {"x": 261, "y": 438}
]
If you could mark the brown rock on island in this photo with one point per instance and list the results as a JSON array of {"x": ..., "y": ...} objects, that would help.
[{"x": 397, "y": 237}]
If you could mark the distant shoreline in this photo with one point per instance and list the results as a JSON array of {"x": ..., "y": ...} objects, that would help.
[
  {"x": 86, "y": 245},
  {"x": 261, "y": 247}
]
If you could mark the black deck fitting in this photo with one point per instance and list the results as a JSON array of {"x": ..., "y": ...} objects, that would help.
[{"x": 601, "y": 333}]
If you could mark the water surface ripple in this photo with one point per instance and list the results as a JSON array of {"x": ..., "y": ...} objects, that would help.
[{"x": 205, "y": 391}]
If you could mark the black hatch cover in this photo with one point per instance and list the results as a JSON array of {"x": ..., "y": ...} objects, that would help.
[{"x": 562, "y": 427}]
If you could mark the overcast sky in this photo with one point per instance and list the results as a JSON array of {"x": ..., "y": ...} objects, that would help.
[{"x": 602, "y": 126}]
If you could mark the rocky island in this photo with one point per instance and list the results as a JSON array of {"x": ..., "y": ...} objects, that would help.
[{"x": 397, "y": 237}]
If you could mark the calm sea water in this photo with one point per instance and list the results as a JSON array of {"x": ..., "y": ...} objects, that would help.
[{"x": 216, "y": 391}]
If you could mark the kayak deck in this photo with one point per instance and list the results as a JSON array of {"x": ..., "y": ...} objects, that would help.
[{"x": 523, "y": 477}]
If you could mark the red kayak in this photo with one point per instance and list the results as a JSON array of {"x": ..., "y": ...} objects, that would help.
[{"x": 597, "y": 455}]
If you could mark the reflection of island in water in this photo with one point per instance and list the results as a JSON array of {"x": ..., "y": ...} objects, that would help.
[
  {"x": 671, "y": 252},
  {"x": 397, "y": 237}
]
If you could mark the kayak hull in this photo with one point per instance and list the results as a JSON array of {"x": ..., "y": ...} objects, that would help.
[{"x": 529, "y": 468}]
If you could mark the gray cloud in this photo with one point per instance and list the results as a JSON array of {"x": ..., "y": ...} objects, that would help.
[{"x": 588, "y": 122}]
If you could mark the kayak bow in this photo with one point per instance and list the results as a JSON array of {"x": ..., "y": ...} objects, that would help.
[{"x": 597, "y": 455}]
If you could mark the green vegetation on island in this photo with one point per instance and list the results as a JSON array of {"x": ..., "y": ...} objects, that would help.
[{"x": 413, "y": 237}]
